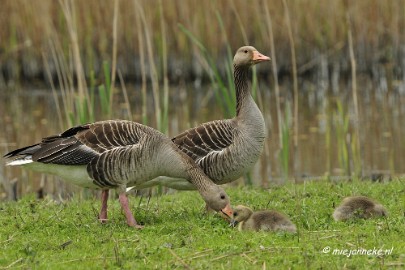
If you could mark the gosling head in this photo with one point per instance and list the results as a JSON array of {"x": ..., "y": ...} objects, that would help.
[
  {"x": 240, "y": 213},
  {"x": 380, "y": 211}
]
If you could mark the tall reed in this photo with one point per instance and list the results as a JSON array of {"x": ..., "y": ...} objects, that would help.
[
  {"x": 281, "y": 126},
  {"x": 114, "y": 54},
  {"x": 126, "y": 98},
  {"x": 295, "y": 89},
  {"x": 153, "y": 74},
  {"x": 83, "y": 101},
  {"x": 341, "y": 120},
  {"x": 106, "y": 91},
  {"x": 161, "y": 108},
  {"x": 353, "y": 65},
  {"x": 284, "y": 153},
  {"x": 142, "y": 64},
  {"x": 274, "y": 72},
  {"x": 165, "y": 113}
]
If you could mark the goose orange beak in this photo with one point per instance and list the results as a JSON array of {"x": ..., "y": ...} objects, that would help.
[
  {"x": 258, "y": 57},
  {"x": 227, "y": 210}
]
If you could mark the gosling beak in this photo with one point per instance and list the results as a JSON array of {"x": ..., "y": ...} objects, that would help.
[
  {"x": 258, "y": 57},
  {"x": 233, "y": 223},
  {"x": 227, "y": 211}
]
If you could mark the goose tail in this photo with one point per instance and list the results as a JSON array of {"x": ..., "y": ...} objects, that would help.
[
  {"x": 21, "y": 156},
  {"x": 20, "y": 161}
]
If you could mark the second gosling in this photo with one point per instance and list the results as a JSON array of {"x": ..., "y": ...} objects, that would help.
[
  {"x": 359, "y": 207},
  {"x": 265, "y": 220}
]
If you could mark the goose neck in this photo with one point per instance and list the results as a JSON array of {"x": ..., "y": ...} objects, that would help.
[
  {"x": 242, "y": 87},
  {"x": 197, "y": 177},
  {"x": 184, "y": 167}
]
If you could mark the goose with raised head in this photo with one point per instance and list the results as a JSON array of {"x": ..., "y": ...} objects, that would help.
[
  {"x": 264, "y": 220},
  {"x": 359, "y": 207},
  {"x": 226, "y": 149},
  {"x": 114, "y": 155}
]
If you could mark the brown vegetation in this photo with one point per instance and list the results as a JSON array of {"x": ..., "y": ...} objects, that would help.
[{"x": 28, "y": 28}]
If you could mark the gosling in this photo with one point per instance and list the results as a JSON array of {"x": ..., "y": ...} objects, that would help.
[
  {"x": 359, "y": 207},
  {"x": 266, "y": 220}
]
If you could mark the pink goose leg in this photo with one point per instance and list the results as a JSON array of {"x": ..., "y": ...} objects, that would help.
[
  {"x": 128, "y": 214},
  {"x": 103, "y": 212}
]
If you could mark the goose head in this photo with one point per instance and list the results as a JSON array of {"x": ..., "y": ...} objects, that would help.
[
  {"x": 217, "y": 199},
  {"x": 240, "y": 213},
  {"x": 248, "y": 56}
]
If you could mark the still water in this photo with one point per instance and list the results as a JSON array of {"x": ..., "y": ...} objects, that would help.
[{"x": 331, "y": 142}]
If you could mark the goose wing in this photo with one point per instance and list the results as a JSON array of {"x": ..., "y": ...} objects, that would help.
[
  {"x": 117, "y": 166},
  {"x": 81, "y": 144},
  {"x": 207, "y": 138}
]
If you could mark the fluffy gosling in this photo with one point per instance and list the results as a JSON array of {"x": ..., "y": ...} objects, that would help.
[
  {"x": 265, "y": 220},
  {"x": 359, "y": 207}
]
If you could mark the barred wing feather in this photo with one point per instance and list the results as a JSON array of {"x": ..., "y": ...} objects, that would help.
[{"x": 207, "y": 138}]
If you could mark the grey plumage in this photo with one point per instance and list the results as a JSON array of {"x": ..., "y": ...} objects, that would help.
[
  {"x": 116, "y": 154},
  {"x": 359, "y": 207},
  {"x": 264, "y": 220},
  {"x": 226, "y": 149}
]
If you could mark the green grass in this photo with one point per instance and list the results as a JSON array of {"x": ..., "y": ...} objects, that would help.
[{"x": 49, "y": 235}]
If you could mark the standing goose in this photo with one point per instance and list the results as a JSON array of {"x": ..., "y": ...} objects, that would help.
[
  {"x": 226, "y": 149},
  {"x": 116, "y": 154}
]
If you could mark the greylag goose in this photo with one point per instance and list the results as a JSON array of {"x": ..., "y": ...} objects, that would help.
[
  {"x": 113, "y": 155},
  {"x": 359, "y": 207},
  {"x": 265, "y": 220},
  {"x": 226, "y": 149}
]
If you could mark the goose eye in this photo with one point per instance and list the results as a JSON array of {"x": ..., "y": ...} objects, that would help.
[
  {"x": 235, "y": 214},
  {"x": 222, "y": 197},
  {"x": 245, "y": 51}
]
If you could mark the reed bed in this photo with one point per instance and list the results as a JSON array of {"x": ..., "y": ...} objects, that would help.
[{"x": 317, "y": 27}]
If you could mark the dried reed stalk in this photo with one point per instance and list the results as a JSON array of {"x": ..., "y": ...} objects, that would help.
[
  {"x": 151, "y": 60},
  {"x": 139, "y": 31},
  {"x": 70, "y": 16},
  {"x": 164, "y": 124},
  {"x": 295, "y": 86},
  {"x": 114, "y": 53},
  {"x": 354, "y": 87},
  {"x": 274, "y": 72}
]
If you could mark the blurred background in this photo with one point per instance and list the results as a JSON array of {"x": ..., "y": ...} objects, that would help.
[{"x": 332, "y": 96}]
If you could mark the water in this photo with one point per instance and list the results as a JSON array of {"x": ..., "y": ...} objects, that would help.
[{"x": 325, "y": 146}]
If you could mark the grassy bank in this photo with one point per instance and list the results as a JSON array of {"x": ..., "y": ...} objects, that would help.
[{"x": 48, "y": 235}]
